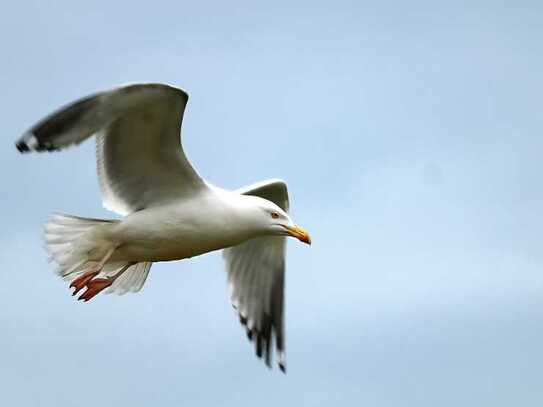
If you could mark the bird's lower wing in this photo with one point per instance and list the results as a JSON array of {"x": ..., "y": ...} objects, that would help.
[
  {"x": 256, "y": 276},
  {"x": 256, "y": 272}
]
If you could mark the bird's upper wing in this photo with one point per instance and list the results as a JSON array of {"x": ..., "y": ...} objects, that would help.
[
  {"x": 256, "y": 275},
  {"x": 139, "y": 155}
]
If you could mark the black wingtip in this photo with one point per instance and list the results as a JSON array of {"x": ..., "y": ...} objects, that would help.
[
  {"x": 283, "y": 367},
  {"x": 22, "y": 146}
]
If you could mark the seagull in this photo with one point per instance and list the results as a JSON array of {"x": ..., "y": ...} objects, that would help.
[{"x": 169, "y": 212}]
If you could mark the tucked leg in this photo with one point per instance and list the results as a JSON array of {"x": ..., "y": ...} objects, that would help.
[
  {"x": 94, "y": 287},
  {"x": 93, "y": 269},
  {"x": 97, "y": 285},
  {"x": 82, "y": 280}
]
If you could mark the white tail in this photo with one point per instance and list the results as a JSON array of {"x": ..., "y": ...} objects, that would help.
[{"x": 68, "y": 243}]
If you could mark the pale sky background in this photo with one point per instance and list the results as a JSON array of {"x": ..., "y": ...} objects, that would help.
[{"x": 410, "y": 135}]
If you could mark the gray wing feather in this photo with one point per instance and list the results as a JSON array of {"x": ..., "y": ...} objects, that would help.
[
  {"x": 140, "y": 158},
  {"x": 256, "y": 275}
]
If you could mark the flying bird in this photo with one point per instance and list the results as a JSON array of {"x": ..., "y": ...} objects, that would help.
[{"x": 169, "y": 212}]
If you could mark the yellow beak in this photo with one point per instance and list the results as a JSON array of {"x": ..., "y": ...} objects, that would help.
[{"x": 298, "y": 233}]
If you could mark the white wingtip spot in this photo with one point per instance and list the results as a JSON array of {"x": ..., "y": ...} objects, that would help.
[{"x": 31, "y": 141}]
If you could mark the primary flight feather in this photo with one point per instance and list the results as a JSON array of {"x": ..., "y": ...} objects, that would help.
[{"x": 169, "y": 211}]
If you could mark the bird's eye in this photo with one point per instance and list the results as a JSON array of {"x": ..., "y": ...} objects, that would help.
[{"x": 274, "y": 215}]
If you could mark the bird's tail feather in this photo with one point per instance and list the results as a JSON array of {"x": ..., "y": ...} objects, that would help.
[{"x": 68, "y": 242}]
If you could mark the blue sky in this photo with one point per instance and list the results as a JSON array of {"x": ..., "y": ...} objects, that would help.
[{"x": 410, "y": 136}]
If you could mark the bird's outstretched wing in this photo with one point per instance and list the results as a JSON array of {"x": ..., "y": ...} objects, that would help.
[
  {"x": 139, "y": 155},
  {"x": 256, "y": 276}
]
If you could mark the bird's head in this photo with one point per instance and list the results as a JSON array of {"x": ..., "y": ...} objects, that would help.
[{"x": 272, "y": 220}]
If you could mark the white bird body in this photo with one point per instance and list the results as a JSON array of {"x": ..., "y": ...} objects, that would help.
[
  {"x": 180, "y": 230},
  {"x": 169, "y": 212}
]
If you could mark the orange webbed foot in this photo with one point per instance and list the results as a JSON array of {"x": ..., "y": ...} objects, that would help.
[
  {"x": 82, "y": 281},
  {"x": 94, "y": 287}
]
